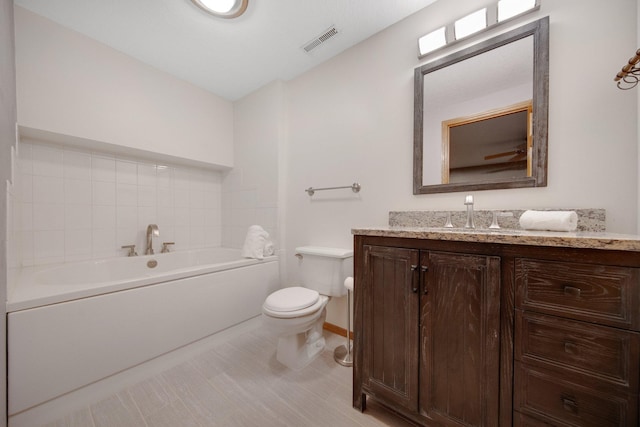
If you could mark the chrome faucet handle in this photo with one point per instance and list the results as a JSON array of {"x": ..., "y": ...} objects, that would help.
[
  {"x": 165, "y": 247},
  {"x": 447, "y": 223},
  {"x": 132, "y": 250},
  {"x": 494, "y": 223}
]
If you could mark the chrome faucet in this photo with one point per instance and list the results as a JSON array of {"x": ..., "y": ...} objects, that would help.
[
  {"x": 468, "y": 201},
  {"x": 152, "y": 230}
]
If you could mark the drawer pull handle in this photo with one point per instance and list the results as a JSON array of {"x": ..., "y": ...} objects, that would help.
[
  {"x": 570, "y": 348},
  {"x": 571, "y": 290},
  {"x": 569, "y": 404}
]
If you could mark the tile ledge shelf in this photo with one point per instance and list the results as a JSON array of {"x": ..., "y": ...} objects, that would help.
[{"x": 48, "y": 137}]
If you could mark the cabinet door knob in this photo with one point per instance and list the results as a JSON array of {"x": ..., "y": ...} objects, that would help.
[
  {"x": 569, "y": 404},
  {"x": 424, "y": 268},
  {"x": 570, "y": 347},
  {"x": 571, "y": 290},
  {"x": 414, "y": 267}
]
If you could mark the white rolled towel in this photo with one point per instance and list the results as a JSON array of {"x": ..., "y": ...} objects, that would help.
[
  {"x": 255, "y": 242},
  {"x": 549, "y": 220},
  {"x": 269, "y": 249}
]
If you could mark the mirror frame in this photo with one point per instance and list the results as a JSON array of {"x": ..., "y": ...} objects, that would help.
[{"x": 540, "y": 31}]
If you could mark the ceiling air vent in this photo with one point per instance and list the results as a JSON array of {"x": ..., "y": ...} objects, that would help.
[{"x": 320, "y": 39}]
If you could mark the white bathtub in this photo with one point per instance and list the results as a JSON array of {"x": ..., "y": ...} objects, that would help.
[{"x": 73, "y": 324}]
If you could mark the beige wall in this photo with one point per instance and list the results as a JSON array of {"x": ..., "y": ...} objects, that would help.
[
  {"x": 73, "y": 85},
  {"x": 351, "y": 119},
  {"x": 7, "y": 140}
]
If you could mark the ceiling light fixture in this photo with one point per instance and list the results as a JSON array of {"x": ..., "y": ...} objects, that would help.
[
  {"x": 223, "y": 8},
  {"x": 499, "y": 12}
]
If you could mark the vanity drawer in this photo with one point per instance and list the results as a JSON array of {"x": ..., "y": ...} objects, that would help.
[
  {"x": 601, "y": 352},
  {"x": 550, "y": 398},
  {"x": 596, "y": 293},
  {"x": 521, "y": 420}
]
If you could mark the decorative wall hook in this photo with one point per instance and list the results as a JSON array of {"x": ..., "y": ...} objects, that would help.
[{"x": 630, "y": 75}]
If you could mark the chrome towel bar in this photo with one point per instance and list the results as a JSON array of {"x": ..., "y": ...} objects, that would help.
[{"x": 355, "y": 187}]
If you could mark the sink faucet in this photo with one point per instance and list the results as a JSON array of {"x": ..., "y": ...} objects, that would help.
[
  {"x": 152, "y": 230},
  {"x": 468, "y": 201}
]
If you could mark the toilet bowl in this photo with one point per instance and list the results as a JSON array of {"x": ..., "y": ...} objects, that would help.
[
  {"x": 296, "y": 314},
  {"x": 299, "y": 329}
]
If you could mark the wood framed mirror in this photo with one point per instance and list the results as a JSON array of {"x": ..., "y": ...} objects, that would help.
[{"x": 497, "y": 92}]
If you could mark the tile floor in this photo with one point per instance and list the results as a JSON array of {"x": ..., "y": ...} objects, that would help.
[{"x": 237, "y": 383}]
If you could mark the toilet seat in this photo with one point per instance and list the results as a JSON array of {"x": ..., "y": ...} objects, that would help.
[{"x": 293, "y": 302}]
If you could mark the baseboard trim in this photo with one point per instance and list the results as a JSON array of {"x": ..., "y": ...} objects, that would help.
[{"x": 336, "y": 329}]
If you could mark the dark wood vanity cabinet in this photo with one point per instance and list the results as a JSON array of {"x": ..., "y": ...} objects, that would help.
[
  {"x": 577, "y": 343},
  {"x": 390, "y": 330},
  {"x": 481, "y": 334},
  {"x": 430, "y": 333},
  {"x": 459, "y": 337}
]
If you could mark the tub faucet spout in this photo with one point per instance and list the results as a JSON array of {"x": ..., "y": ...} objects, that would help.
[{"x": 152, "y": 230}]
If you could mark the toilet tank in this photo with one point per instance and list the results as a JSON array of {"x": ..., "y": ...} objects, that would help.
[{"x": 324, "y": 269}]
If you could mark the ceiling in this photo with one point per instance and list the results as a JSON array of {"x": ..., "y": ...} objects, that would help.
[{"x": 229, "y": 57}]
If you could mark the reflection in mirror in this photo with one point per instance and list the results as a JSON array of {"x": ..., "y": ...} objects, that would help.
[
  {"x": 489, "y": 146},
  {"x": 495, "y": 91}
]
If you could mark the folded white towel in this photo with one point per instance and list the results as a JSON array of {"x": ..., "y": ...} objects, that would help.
[
  {"x": 549, "y": 220},
  {"x": 254, "y": 243}
]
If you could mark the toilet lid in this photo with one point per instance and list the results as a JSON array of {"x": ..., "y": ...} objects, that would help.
[{"x": 291, "y": 299}]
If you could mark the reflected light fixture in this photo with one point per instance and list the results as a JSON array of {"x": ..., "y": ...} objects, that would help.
[
  {"x": 223, "y": 8},
  {"x": 472, "y": 23},
  {"x": 481, "y": 20}
]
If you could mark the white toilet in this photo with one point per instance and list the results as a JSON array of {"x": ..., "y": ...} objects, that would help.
[{"x": 296, "y": 314}]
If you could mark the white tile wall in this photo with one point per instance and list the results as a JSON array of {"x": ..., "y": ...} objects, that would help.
[
  {"x": 244, "y": 204},
  {"x": 76, "y": 205}
]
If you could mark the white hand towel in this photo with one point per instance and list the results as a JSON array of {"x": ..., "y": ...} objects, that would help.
[
  {"x": 549, "y": 220},
  {"x": 255, "y": 242}
]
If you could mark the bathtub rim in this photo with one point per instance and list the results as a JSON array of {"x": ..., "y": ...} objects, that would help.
[{"x": 27, "y": 295}]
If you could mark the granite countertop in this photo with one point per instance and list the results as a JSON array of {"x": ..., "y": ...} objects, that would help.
[{"x": 579, "y": 239}]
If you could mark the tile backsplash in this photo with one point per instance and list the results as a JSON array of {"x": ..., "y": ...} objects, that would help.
[{"x": 73, "y": 205}]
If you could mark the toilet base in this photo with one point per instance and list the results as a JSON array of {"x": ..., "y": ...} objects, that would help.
[
  {"x": 295, "y": 353},
  {"x": 298, "y": 350}
]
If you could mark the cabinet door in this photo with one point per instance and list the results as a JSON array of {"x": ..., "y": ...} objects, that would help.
[
  {"x": 460, "y": 345},
  {"x": 390, "y": 325}
]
